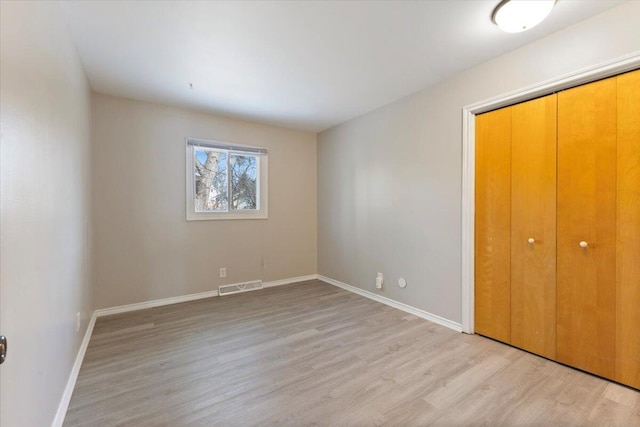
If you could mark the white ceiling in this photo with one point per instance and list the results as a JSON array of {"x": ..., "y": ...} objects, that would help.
[{"x": 306, "y": 65}]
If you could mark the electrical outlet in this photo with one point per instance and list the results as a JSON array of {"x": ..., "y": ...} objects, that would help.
[
  {"x": 223, "y": 272},
  {"x": 78, "y": 322},
  {"x": 379, "y": 281}
]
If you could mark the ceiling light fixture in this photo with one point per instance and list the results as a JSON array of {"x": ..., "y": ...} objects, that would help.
[{"x": 514, "y": 16}]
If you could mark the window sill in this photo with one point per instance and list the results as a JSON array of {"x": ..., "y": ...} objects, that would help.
[{"x": 225, "y": 216}]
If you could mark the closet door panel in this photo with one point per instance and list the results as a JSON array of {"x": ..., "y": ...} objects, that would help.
[
  {"x": 627, "y": 367},
  {"x": 533, "y": 226},
  {"x": 586, "y": 285},
  {"x": 492, "y": 224}
]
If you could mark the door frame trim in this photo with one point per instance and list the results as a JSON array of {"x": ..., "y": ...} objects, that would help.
[{"x": 586, "y": 75}]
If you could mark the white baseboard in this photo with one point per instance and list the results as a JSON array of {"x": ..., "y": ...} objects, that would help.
[
  {"x": 395, "y": 304},
  {"x": 73, "y": 376},
  {"x": 289, "y": 281},
  {"x": 190, "y": 297},
  {"x": 154, "y": 303}
]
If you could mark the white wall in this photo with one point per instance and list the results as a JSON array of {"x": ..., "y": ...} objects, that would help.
[
  {"x": 389, "y": 182},
  {"x": 45, "y": 209},
  {"x": 144, "y": 247}
]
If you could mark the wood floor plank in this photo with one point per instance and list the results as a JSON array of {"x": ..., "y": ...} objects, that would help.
[{"x": 314, "y": 354}]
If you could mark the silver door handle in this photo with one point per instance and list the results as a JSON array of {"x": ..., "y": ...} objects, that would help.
[{"x": 3, "y": 349}]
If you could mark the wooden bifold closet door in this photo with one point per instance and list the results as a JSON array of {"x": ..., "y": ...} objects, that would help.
[
  {"x": 557, "y": 230},
  {"x": 493, "y": 225},
  {"x": 627, "y": 365},
  {"x": 533, "y": 226},
  {"x": 516, "y": 225},
  {"x": 587, "y": 226}
]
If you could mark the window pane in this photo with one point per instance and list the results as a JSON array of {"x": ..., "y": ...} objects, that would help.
[
  {"x": 244, "y": 177},
  {"x": 211, "y": 181}
]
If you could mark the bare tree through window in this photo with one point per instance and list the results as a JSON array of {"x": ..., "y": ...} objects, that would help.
[
  {"x": 222, "y": 177},
  {"x": 243, "y": 182}
]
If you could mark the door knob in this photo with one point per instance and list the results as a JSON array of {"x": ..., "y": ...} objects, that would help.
[
  {"x": 3, "y": 348},
  {"x": 583, "y": 244},
  {"x": 531, "y": 240}
]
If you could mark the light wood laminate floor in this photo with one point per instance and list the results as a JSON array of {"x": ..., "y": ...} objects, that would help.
[{"x": 314, "y": 354}]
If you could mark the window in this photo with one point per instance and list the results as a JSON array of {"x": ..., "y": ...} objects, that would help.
[{"x": 225, "y": 181}]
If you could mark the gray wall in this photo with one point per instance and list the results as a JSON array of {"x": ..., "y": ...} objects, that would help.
[
  {"x": 144, "y": 247},
  {"x": 389, "y": 182},
  {"x": 45, "y": 209}
]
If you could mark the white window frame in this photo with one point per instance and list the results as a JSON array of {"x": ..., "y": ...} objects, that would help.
[{"x": 192, "y": 144}]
